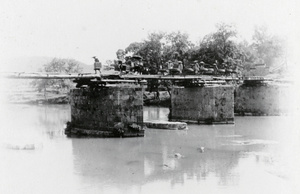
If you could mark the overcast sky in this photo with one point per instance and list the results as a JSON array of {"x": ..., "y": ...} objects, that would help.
[{"x": 80, "y": 29}]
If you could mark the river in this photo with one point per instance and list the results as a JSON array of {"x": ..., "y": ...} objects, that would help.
[{"x": 255, "y": 155}]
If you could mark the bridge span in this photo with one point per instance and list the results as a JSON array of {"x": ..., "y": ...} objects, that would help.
[
  {"x": 105, "y": 106},
  {"x": 109, "y": 75}
]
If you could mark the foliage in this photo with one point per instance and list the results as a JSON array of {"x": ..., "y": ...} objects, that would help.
[
  {"x": 178, "y": 45},
  {"x": 120, "y": 54},
  {"x": 249, "y": 55},
  {"x": 60, "y": 66},
  {"x": 161, "y": 47},
  {"x": 267, "y": 47},
  {"x": 134, "y": 47},
  {"x": 221, "y": 45},
  {"x": 150, "y": 50}
]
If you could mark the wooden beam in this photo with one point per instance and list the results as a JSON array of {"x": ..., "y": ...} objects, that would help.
[
  {"x": 108, "y": 75},
  {"x": 46, "y": 76}
]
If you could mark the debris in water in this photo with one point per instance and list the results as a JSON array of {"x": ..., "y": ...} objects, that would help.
[
  {"x": 29, "y": 147},
  {"x": 177, "y": 155},
  {"x": 201, "y": 149},
  {"x": 20, "y": 147},
  {"x": 252, "y": 142}
]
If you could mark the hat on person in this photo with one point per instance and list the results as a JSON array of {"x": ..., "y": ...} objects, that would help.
[
  {"x": 201, "y": 62},
  {"x": 179, "y": 62},
  {"x": 137, "y": 57}
]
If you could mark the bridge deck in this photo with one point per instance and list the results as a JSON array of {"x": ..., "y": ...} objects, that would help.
[{"x": 113, "y": 76}]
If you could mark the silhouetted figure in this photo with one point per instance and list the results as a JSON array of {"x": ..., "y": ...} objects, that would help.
[
  {"x": 196, "y": 67},
  {"x": 97, "y": 65},
  {"x": 215, "y": 66},
  {"x": 180, "y": 66},
  {"x": 96, "y": 59}
]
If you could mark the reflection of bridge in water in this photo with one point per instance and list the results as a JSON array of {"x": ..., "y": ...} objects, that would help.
[{"x": 138, "y": 162}]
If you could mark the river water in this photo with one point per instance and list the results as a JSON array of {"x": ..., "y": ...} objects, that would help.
[{"x": 255, "y": 155}]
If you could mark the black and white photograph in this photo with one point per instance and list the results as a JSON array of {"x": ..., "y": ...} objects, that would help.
[{"x": 149, "y": 96}]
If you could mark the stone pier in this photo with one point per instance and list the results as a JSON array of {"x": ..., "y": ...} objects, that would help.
[
  {"x": 263, "y": 99},
  {"x": 113, "y": 111},
  {"x": 207, "y": 105}
]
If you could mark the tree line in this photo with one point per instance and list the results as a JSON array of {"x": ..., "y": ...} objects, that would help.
[
  {"x": 224, "y": 46},
  {"x": 58, "y": 66}
]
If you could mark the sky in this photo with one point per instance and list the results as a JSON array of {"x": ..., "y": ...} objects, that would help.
[{"x": 80, "y": 29}]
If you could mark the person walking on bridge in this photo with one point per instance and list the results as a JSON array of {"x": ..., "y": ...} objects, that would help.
[
  {"x": 180, "y": 66},
  {"x": 97, "y": 65},
  {"x": 196, "y": 67}
]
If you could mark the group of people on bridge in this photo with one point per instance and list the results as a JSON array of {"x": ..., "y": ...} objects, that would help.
[
  {"x": 200, "y": 68},
  {"x": 135, "y": 65}
]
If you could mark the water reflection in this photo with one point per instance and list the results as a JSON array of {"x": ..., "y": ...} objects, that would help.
[
  {"x": 48, "y": 168},
  {"x": 34, "y": 120},
  {"x": 54, "y": 119},
  {"x": 156, "y": 113},
  {"x": 142, "y": 161},
  {"x": 246, "y": 157}
]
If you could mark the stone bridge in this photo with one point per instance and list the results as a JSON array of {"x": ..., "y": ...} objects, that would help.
[{"x": 112, "y": 105}]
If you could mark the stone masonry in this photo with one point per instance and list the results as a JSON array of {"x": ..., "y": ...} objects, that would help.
[
  {"x": 112, "y": 111},
  {"x": 209, "y": 104},
  {"x": 264, "y": 99}
]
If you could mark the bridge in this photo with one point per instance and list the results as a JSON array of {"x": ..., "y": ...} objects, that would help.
[
  {"x": 111, "y": 104},
  {"x": 108, "y": 75},
  {"x": 115, "y": 78}
]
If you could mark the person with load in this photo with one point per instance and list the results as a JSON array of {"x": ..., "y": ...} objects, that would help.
[
  {"x": 215, "y": 67},
  {"x": 97, "y": 65},
  {"x": 170, "y": 64},
  {"x": 137, "y": 64},
  {"x": 202, "y": 69},
  {"x": 180, "y": 66},
  {"x": 196, "y": 67},
  {"x": 175, "y": 70},
  {"x": 221, "y": 69}
]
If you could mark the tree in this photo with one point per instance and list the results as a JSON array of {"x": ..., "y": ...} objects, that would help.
[
  {"x": 61, "y": 66},
  {"x": 134, "y": 47},
  {"x": 179, "y": 45},
  {"x": 161, "y": 47},
  {"x": 120, "y": 54},
  {"x": 151, "y": 50},
  {"x": 248, "y": 53},
  {"x": 221, "y": 46},
  {"x": 268, "y": 48}
]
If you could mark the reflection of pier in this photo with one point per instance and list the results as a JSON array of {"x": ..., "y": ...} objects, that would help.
[
  {"x": 54, "y": 119},
  {"x": 136, "y": 161}
]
